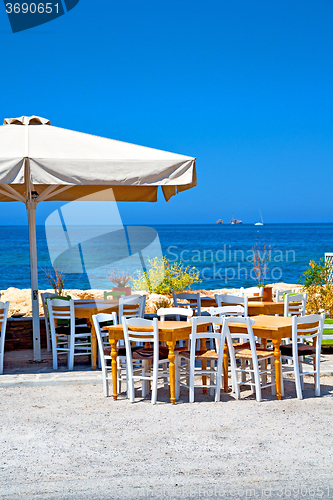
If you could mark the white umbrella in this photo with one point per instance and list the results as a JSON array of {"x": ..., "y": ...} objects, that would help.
[{"x": 39, "y": 162}]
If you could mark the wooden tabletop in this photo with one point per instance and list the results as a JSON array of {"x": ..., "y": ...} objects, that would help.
[
  {"x": 165, "y": 326},
  {"x": 269, "y": 327}
]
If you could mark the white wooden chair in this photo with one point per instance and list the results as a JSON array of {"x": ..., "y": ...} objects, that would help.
[
  {"x": 178, "y": 312},
  {"x": 255, "y": 370},
  {"x": 327, "y": 333},
  {"x": 183, "y": 300},
  {"x": 143, "y": 330},
  {"x": 73, "y": 340},
  {"x": 295, "y": 305},
  {"x": 214, "y": 357},
  {"x": 4, "y": 306},
  {"x": 225, "y": 299},
  {"x": 78, "y": 322},
  {"x": 227, "y": 312},
  {"x": 104, "y": 351},
  {"x": 45, "y": 296},
  {"x": 304, "y": 329},
  {"x": 132, "y": 306}
]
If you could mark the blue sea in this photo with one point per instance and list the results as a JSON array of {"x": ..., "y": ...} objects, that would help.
[{"x": 221, "y": 253}]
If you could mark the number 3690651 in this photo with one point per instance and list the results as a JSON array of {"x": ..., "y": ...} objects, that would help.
[{"x": 31, "y": 8}]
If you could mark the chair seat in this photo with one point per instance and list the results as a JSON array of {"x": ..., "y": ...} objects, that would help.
[
  {"x": 181, "y": 348},
  {"x": 121, "y": 351},
  {"x": 145, "y": 353},
  {"x": 201, "y": 354},
  {"x": 303, "y": 350},
  {"x": 149, "y": 354},
  {"x": 241, "y": 345},
  {"x": 65, "y": 330},
  {"x": 246, "y": 354}
]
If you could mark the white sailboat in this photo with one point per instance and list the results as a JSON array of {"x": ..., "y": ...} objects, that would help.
[{"x": 261, "y": 223}]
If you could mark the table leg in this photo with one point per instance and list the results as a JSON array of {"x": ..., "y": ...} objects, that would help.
[
  {"x": 114, "y": 368},
  {"x": 277, "y": 364},
  {"x": 172, "y": 371},
  {"x": 93, "y": 344},
  {"x": 225, "y": 367}
]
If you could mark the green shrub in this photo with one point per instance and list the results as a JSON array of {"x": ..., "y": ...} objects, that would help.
[
  {"x": 165, "y": 278},
  {"x": 317, "y": 274}
]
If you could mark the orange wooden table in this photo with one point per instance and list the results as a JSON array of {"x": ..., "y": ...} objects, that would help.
[
  {"x": 85, "y": 309},
  {"x": 269, "y": 327},
  {"x": 169, "y": 332},
  {"x": 254, "y": 308}
]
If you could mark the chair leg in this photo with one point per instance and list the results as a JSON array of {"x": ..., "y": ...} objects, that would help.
[
  {"x": 257, "y": 381},
  {"x": 243, "y": 366},
  {"x": 234, "y": 375},
  {"x": 71, "y": 343},
  {"x": 297, "y": 379},
  {"x": 191, "y": 389},
  {"x": 55, "y": 358},
  {"x": 130, "y": 384},
  {"x": 145, "y": 383},
  {"x": 253, "y": 379},
  {"x": 219, "y": 386},
  {"x": 165, "y": 378},
  {"x": 105, "y": 382},
  {"x": 316, "y": 367},
  {"x": 154, "y": 384},
  {"x": 211, "y": 378},
  {"x": 301, "y": 372}
]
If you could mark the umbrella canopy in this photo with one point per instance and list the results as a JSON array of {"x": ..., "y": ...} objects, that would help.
[{"x": 39, "y": 162}]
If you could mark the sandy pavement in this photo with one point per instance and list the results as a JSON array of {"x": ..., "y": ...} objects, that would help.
[{"x": 69, "y": 442}]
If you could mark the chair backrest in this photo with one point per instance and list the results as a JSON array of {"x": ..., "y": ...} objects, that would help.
[
  {"x": 279, "y": 294},
  {"x": 305, "y": 328},
  {"x": 248, "y": 335},
  {"x": 211, "y": 321},
  {"x": 328, "y": 332},
  {"x": 224, "y": 299},
  {"x": 132, "y": 306},
  {"x": 227, "y": 311},
  {"x": 44, "y": 296},
  {"x": 140, "y": 330},
  {"x": 4, "y": 306},
  {"x": 186, "y": 300},
  {"x": 98, "y": 320},
  {"x": 295, "y": 304},
  {"x": 61, "y": 308},
  {"x": 176, "y": 311}
]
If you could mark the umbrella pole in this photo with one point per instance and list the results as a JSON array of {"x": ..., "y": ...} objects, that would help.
[{"x": 31, "y": 207}]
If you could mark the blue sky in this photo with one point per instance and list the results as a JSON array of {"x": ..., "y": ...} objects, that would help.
[{"x": 244, "y": 86}]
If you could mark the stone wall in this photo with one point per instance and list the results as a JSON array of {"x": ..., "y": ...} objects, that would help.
[{"x": 19, "y": 334}]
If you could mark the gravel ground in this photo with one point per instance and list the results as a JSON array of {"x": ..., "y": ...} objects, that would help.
[{"x": 69, "y": 442}]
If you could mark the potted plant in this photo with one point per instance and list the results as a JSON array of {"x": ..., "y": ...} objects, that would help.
[
  {"x": 261, "y": 257},
  {"x": 56, "y": 280},
  {"x": 120, "y": 278}
]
